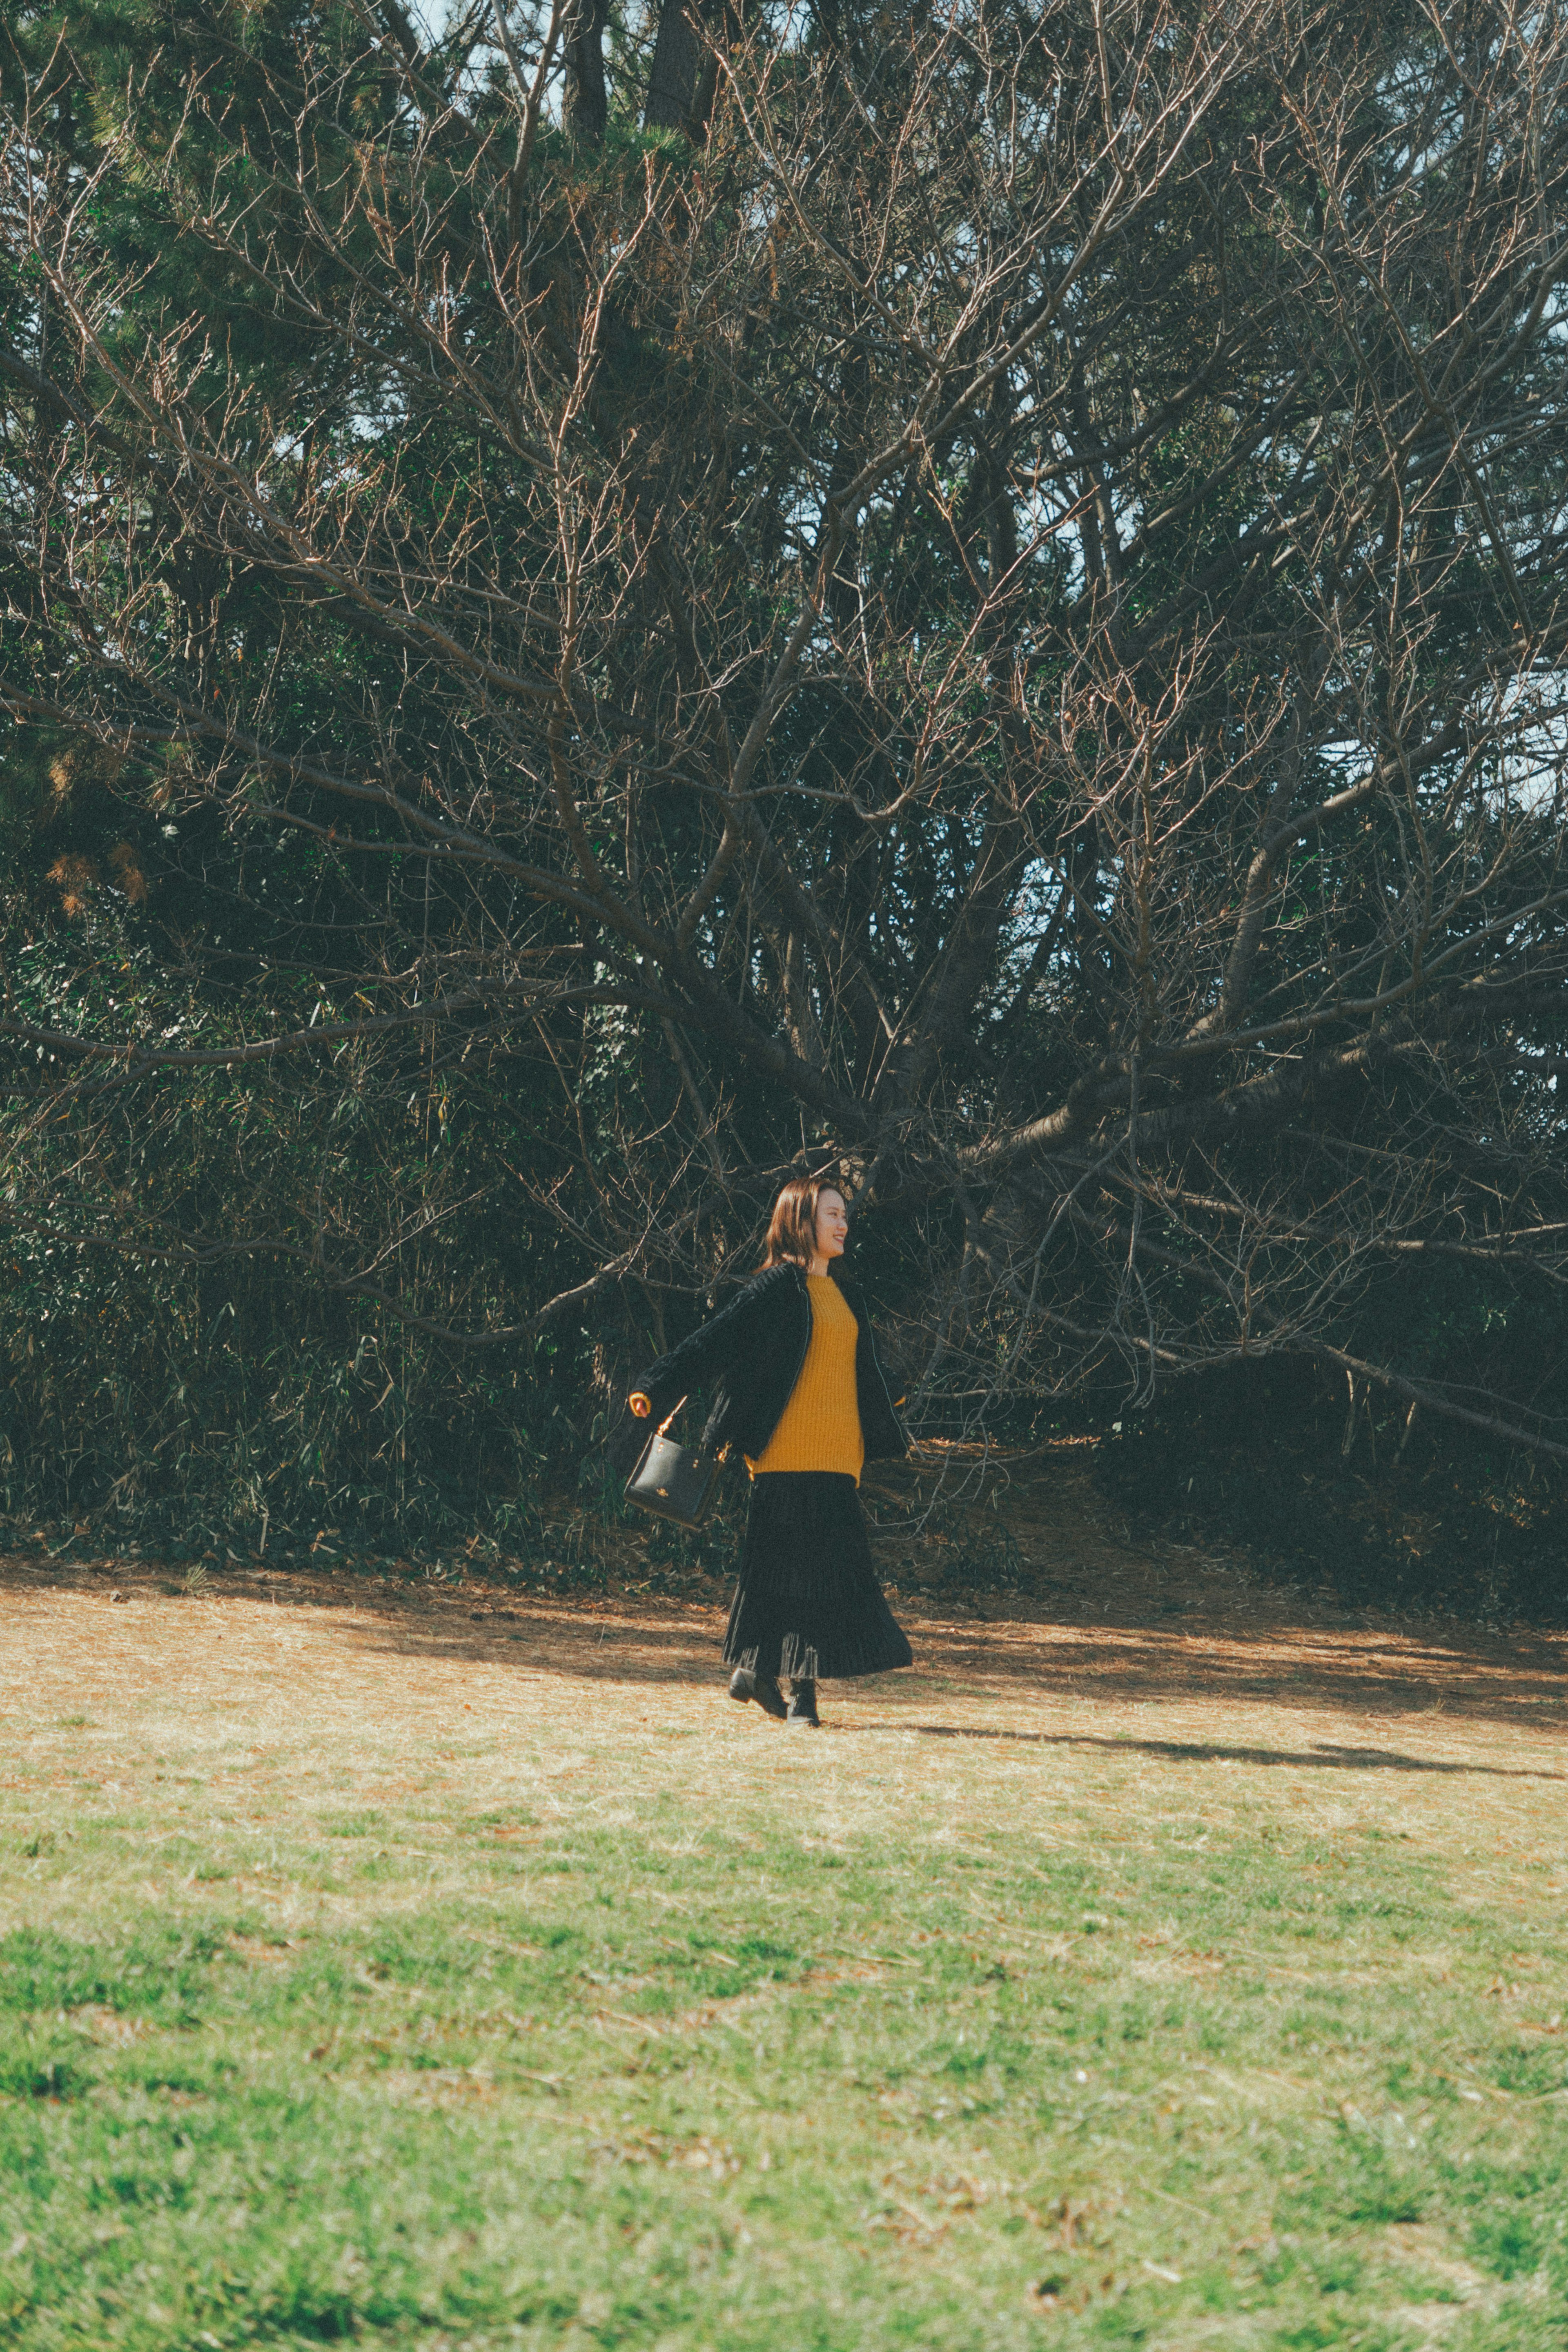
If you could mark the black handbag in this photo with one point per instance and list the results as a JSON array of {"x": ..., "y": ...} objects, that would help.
[{"x": 672, "y": 1481}]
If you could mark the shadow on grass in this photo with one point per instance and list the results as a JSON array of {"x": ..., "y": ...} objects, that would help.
[
  {"x": 1382, "y": 1674},
  {"x": 1323, "y": 1754},
  {"x": 1210, "y": 1658}
]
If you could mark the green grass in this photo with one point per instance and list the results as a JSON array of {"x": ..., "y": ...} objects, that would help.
[{"x": 681, "y": 2037}]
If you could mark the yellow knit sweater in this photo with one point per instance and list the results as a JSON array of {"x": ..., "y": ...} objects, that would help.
[{"x": 820, "y": 1428}]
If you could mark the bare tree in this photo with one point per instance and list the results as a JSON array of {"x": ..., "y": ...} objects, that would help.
[{"x": 1003, "y": 618}]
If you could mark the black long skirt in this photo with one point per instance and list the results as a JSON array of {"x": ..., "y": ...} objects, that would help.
[{"x": 808, "y": 1603}]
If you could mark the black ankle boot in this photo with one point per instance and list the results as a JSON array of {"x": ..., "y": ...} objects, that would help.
[
  {"x": 803, "y": 1704},
  {"x": 763, "y": 1688}
]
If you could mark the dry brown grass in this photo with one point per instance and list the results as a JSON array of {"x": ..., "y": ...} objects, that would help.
[{"x": 1455, "y": 1737}]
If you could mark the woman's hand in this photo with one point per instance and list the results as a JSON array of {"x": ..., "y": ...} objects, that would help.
[{"x": 641, "y": 1405}]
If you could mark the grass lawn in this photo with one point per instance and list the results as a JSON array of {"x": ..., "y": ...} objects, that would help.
[{"x": 370, "y": 1974}]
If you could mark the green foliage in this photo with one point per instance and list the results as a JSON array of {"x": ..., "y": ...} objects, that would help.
[
  {"x": 187, "y": 1391},
  {"x": 1364, "y": 1504}
]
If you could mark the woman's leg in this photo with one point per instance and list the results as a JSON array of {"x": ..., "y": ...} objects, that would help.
[
  {"x": 803, "y": 1703},
  {"x": 753, "y": 1638}
]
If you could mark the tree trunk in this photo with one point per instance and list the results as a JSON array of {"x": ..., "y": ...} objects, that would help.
[
  {"x": 681, "y": 84},
  {"x": 585, "y": 105}
]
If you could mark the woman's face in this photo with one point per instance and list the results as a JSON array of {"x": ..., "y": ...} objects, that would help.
[{"x": 832, "y": 1223}]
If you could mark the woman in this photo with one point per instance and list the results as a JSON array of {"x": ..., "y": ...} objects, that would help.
[{"x": 796, "y": 1386}]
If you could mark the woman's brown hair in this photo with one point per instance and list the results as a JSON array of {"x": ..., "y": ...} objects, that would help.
[{"x": 792, "y": 1232}]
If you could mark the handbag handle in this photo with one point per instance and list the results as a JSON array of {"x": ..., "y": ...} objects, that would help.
[{"x": 654, "y": 1435}]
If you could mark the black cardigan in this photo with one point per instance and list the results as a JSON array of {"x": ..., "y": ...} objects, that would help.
[{"x": 749, "y": 1358}]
